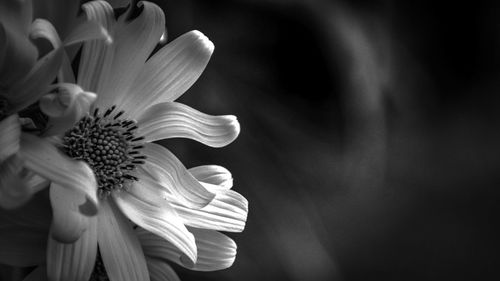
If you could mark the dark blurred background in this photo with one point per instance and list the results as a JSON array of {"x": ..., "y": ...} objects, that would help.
[{"x": 370, "y": 133}]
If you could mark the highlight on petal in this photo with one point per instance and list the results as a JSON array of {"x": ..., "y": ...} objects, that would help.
[
  {"x": 67, "y": 104},
  {"x": 164, "y": 167},
  {"x": 120, "y": 250},
  {"x": 133, "y": 40},
  {"x": 41, "y": 28},
  {"x": 144, "y": 204},
  {"x": 96, "y": 56},
  {"x": 73, "y": 261},
  {"x": 88, "y": 30},
  {"x": 36, "y": 82},
  {"x": 10, "y": 129},
  {"x": 227, "y": 212},
  {"x": 68, "y": 221},
  {"x": 161, "y": 271},
  {"x": 22, "y": 246},
  {"x": 170, "y": 72},
  {"x": 213, "y": 174},
  {"x": 216, "y": 251},
  {"x": 68, "y": 173},
  {"x": 176, "y": 120}
]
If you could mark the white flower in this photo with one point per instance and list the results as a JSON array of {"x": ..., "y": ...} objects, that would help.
[{"x": 117, "y": 168}]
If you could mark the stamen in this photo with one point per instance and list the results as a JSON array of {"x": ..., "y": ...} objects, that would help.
[{"x": 108, "y": 146}]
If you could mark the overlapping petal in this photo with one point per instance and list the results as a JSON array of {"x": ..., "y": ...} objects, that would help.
[
  {"x": 164, "y": 167},
  {"x": 176, "y": 120},
  {"x": 169, "y": 72},
  {"x": 97, "y": 55},
  {"x": 213, "y": 174},
  {"x": 73, "y": 175},
  {"x": 68, "y": 219},
  {"x": 73, "y": 261},
  {"x": 144, "y": 205},
  {"x": 14, "y": 191},
  {"x": 228, "y": 211},
  {"x": 215, "y": 250},
  {"x": 133, "y": 41},
  {"x": 120, "y": 250},
  {"x": 161, "y": 271},
  {"x": 10, "y": 129}
]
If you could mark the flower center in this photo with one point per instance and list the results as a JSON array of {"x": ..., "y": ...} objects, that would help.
[{"x": 108, "y": 144}]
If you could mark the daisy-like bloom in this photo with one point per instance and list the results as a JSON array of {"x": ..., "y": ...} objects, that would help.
[
  {"x": 24, "y": 78},
  {"x": 109, "y": 150}
]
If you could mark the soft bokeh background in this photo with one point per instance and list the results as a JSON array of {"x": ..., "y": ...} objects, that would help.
[{"x": 370, "y": 133}]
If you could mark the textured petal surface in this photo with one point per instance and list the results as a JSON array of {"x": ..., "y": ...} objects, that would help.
[
  {"x": 73, "y": 261},
  {"x": 176, "y": 120},
  {"x": 169, "y": 72},
  {"x": 161, "y": 271},
  {"x": 133, "y": 42},
  {"x": 144, "y": 205},
  {"x": 71, "y": 174},
  {"x": 68, "y": 222},
  {"x": 97, "y": 55},
  {"x": 164, "y": 167},
  {"x": 215, "y": 250},
  {"x": 10, "y": 129},
  {"x": 119, "y": 247},
  {"x": 14, "y": 190},
  {"x": 227, "y": 212},
  {"x": 213, "y": 174}
]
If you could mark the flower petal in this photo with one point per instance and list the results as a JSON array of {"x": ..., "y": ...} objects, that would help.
[
  {"x": 34, "y": 85},
  {"x": 62, "y": 13},
  {"x": 68, "y": 222},
  {"x": 119, "y": 247},
  {"x": 170, "y": 72},
  {"x": 96, "y": 56},
  {"x": 87, "y": 30},
  {"x": 176, "y": 120},
  {"x": 163, "y": 166},
  {"x": 134, "y": 40},
  {"x": 22, "y": 246},
  {"x": 216, "y": 251},
  {"x": 10, "y": 129},
  {"x": 161, "y": 271},
  {"x": 68, "y": 104},
  {"x": 227, "y": 212},
  {"x": 144, "y": 205},
  {"x": 73, "y": 261},
  {"x": 66, "y": 172},
  {"x": 213, "y": 174},
  {"x": 41, "y": 28}
]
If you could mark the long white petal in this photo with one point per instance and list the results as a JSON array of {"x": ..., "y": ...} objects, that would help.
[
  {"x": 144, "y": 205},
  {"x": 227, "y": 212},
  {"x": 10, "y": 132},
  {"x": 73, "y": 261},
  {"x": 163, "y": 166},
  {"x": 133, "y": 41},
  {"x": 161, "y": 271},
  {"x": 170, "y": 72},
  {"x": 120, "y": 249},
  {"x": 97, "y": 55},
  {"x": 68, "y": 173},
  {"x": 213, "y": 174},
  {"x": 176, "y": 120},
  {"x": 216, "y": 251}
]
